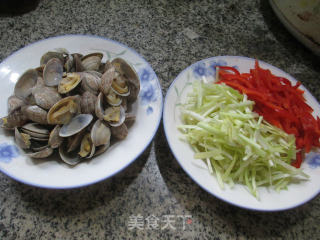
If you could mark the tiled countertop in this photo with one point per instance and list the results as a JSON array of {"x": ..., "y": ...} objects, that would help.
[{"x": 170, "y": 35}]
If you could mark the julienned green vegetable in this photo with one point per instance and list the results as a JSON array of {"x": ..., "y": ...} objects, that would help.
[{"x": 237, "y": 144}]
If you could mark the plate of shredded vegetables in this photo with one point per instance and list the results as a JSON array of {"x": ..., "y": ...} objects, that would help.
[{"x": 246, "y": 132}]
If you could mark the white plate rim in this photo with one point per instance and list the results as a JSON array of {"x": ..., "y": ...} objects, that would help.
[
  {"x": 156, "y": 126},
  {"x": 170, "y": 89}
]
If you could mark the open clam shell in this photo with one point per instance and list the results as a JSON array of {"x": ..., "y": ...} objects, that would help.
[
  {"x": 25, "y": 84},
  {"x": 14, "y": 119},
  {"x": 41, "y": 154},
  {"x": 130, "y": 74},
  {"x": 76, "y": 124},
  {"x": 52, "y": 73},
  {"x": 71, "y": 158},
  {"x": 87, "y": 148},
  {"x": 54, "y": 139},
  {"x": 113, "y": 99},
  {"x": 49, "y": 55},
  {"x": 22, "y": 139},
  {"x": 63, "y": 111},
  {"x": 111, "y": 121},
  {"x": 106, "y": 80},
  {"x": 70, "y": 82},
  {"x": 120, "y": 132},
  {"x": 100, "y": 133}
]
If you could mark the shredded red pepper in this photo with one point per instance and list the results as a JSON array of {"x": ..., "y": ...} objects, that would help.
[{"x": 279, "y": 102}]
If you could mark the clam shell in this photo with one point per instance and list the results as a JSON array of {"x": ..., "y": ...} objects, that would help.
[
  {"x": 54, "y": 139},
  {"x": 83, "y": 151},
  {"x": 130, "y": 74},
  {"x": 52, "y": 73},
  {"x": 15, "y": 119},
  {"x": 88, "y": 101},
  {"x": 92, "y": 61},
  {"x": 77, "y": 62},
  {"x": 41, "y": 154},
  {"x": 70, "y": 82},
  {"x": 91, "y": 82},
  {"x": 74, "y": 141},
  {"x": 25, "y": 83},
  {"x": 36, "y": 130},
  {"x": 49, "y": 55},
  {"x": 106, "y": 80},
  {"x": 120, "y": 132},
  {"x": 101, "y": 149},
  {"x": 46, "y": 97},
  {"x": 99, "y": 111},
  {"x": 113, "y": 99},
  {"x": 100, "y": 133},
  {"x": 22, "y": 139},
  {"x": 76, "y": 124},
  {"x": 70, "y": 158},
  {"x": 116, "y": 88},
  {"x": 14, "y": 103},
  {"x": 63, "y": 111},
  {"x": 35, "y": 114},
  {"x": 121, "y": 120}
]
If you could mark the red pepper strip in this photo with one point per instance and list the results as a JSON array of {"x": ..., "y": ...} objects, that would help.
[
  {"x": 298, "y": 161},
  {"x": 280, "y": 103},
  {"x": 229, "y": 68}
]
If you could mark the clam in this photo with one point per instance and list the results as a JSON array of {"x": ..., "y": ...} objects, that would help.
[
  {"x": 71, "y": 158},
  {"x": 80, "y": 126},
  {"x": 100, "y": 134},
  {"x": 36, "y": 131},
  {"x": 14, "y": 119},
  {"x": 14, "y": 103},
  {"x": 74, "y": 141},
  {"x": 91, "y": 82},
  {"x": 107, "y": 66},
  {"x": 120, "y": 132},
  {"x": 115, "y": 116},
  {"x": 101, "y": 149},
  {"x": 45, "y": 97},
  {"x": 76, "y": 124},
  {"x": 35, "y": 114},
  {"x": 119, "y": 86},
  {"x": 113, "y": 99},
  {"x": 106, "y": 80},
  {"x": 54, "y": 139},
  {"x": 77, "y": 62},
  {"x": 99, "y": 110},
  {"x": 52, "y": 73},
  {"x": 69, "y": 82},
  {"x": 88, "y": 101},
  {"x": 130, "y": 74},
  {"x": 25, "y": 83},
  {"x": 92, "y": 61},
  {"x": 64, "y": 110},
  {"x": 22, "y": 139},
  {"x": 41, "y": 154},
  {"x": 87, "y": 148},
  {"x": 49, "y": 55}
]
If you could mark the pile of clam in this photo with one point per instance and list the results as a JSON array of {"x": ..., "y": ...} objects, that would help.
[{"x": 76, "y": 104}]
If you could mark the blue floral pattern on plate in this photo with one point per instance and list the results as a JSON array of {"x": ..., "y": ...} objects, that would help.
[
  {"x": 8, "y": 152},
  {"x": 148, "y": 92},
  {"x": 203, "y": 69},
  {"x": 314, "y": 160}
]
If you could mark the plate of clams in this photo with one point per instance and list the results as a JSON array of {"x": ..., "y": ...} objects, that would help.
[{"x": 76, "y": 110}]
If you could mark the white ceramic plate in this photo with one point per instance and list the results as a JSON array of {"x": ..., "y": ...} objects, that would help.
[
  {"x": 54, "y": 173},
  {"x": 270, "y": 200}
]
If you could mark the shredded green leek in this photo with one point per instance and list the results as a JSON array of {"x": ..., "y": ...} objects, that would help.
[{"x": 237, "y": 145}]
